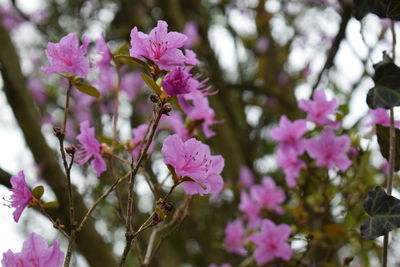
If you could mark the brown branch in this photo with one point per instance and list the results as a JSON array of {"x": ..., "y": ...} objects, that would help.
[{"x": 27, "y": 118}]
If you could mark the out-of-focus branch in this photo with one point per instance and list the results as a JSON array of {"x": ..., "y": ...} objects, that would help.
[
  {"x": 340, "y": 36},
  {"x": 5, "y": 178},
  {"x": 27, "y": 117}
]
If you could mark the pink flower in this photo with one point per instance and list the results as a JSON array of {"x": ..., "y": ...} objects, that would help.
[
  {"x": 268, "y": 194},
  {"x": 289, "y": 134},
  {"x": 176, "y": 125},
  {"x": 320, "y": 108},
  {"x": 67, "y": 56},
  {"x": 193, "y": 159},
  {"x": 177, "y": 82},
  {"x": 108, "y": 75},
  {"x": 160, "y": 46},
  {"x": 192, "y": 33},
  {"x": 246, "y": 177},
  {"x": 137, "y": 144},
  {"x": 90, "y": 149},
  {"x": 131, "y": 84},
  {"x": 21, "y": 195},
  {"x": 250, "y": 208},
  {"x": 290, "y": 164},
  {"x": 199, "y": 110},
  {"x": 330, "y": 150},
  {"x": 35, "y": 253},
  {"x": 380, "y": 116},
  {"x": 271, "y": 242},
  {"x": 234, "y": 237},
  {"x": 36, "y": 88}
]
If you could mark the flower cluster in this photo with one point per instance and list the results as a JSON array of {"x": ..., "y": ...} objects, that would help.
[
  {"x": 328, "y": 149},
  {"x": 255, "y": 204}
]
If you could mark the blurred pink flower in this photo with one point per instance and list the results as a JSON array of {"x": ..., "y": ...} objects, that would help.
[
  {"x": 234, "y": 237},
  {"x": 271, "y": 242},
  {"x": 137, "y": 144},
  {"x": 174, "y": 123},
  {"x": 36, "y": 88},
  {"x": 67, "y": 56},
  {"x": 246, "y": 177},
  {"x": 290, "y": 164},
  {"x": 192, "y": 33},
  {"x": 131, "y": 84},
  {"x": 268, "y": 194},
  {"x": 250, "y": 208},
  {"x": 329, "y": 150},
  {"x": 289, "y": 134},
  {"x": 35, "y": 253},
  {"x": 380, "y": 116},
  {"x": 320, "y": 108}
]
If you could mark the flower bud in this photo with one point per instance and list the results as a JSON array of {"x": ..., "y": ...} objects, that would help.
[{"x": 167, "y": 109}]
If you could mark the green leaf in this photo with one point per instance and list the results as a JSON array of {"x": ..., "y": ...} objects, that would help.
[
  {"x": 384, "y": 211},
  {"x": 122, "y": 50},
  {"x": 152, "y": 84},
  {"x": 38, "y": 191},
  {"x": 386, "y": 92},
  {"x": 383, "y": 140},
  {"x": 87, "y": 89},
  {"x": 122, "y": 60},
  {"x": 51, "y": 204},
  {"x": 381, "y": 8}
]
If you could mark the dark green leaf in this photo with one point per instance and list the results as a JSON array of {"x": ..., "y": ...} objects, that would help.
[
  {"x": 38, "y": 191},
  {"x": 386, "y": 92},
  {"x": 121, "y": 60},
  {"x": 87, "y": 89},
  {"x": 51, "y": 204},
  {"x": 384, "y": 211},
  {"x": 383, "y": 140},
  {"x": 151, "y": 84},
  {"x": 381, "y": 8},
  {"x": 393, "y": 10}
]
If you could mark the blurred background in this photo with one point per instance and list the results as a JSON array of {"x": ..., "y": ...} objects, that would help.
[{"x": 261, "y": 56}]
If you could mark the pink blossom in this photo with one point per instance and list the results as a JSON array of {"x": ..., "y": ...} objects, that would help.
[
  {"x": 193, "y": 159},
  {"x": 268, "y": 194},
  {"x": 138, "y": 143},
  {"x": 176, "y": 125},
  {"x": 21, "y": 195},
  {"x": 289, "y": 134},
  {"x": 108, "y": 75},
  {"x": 271, "y": 242},
  {"x": 11, "y": 19},
  {"x": 67, "y": 56},
  {"x": 90, "y": 149},
  {"x": 177, "y": 82},
  {"x": 35, "y": 253},
  {"x": 291, "y": 165},
  {"x": 160, "y": 46},
  {"x": 246, "y": 177},
  {"x": 320, "y": 108},
  {"x": 250, "y": 208},
  {"x": 192, "y": 33},
  {"x": 131, "y": 84},
  {"x": 36, "y": 88},
  {"x": 380, "y": 116},
  {"x": 234, "y": 237},
  {"x": 191, "y": 58},
  {"x": 330, "y": 150},
  {"x": 199, "y": 110}
]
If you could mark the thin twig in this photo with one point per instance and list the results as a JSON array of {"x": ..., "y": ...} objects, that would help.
[
  {"x": 129, "y": 234},
  {"x": 55, "y": 224}
]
